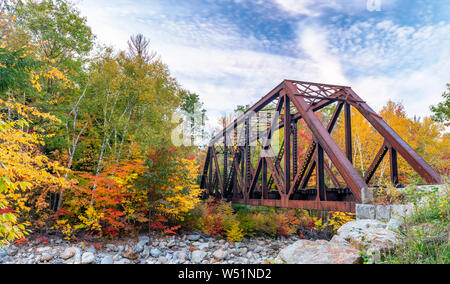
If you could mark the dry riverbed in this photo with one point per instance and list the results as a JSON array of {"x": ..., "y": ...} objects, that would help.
[{"x": 152, "y": 249}]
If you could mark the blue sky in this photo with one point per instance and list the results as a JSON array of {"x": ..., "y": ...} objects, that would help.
[{"x": 232, "y": 52}]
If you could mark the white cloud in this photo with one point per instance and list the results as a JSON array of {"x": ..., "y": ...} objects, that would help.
[
  {"x": 402, "y": 63},
  {"x": 209, "y": 56},
  {"x": 314, "y": 43}
]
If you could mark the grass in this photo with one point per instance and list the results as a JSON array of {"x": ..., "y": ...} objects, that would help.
[{"x": 426, "y": 231}]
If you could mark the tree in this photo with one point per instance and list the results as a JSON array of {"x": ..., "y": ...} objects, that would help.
[
  {"x": 26, "y": 174},
  {"x": 242, "y": 108},
  {"x": 138, "y": 46},
  {"x": 442, "y": 110},
  {"x": 425, "y": 136}
]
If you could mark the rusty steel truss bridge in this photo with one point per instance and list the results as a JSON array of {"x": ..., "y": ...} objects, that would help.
[{"x": 236, "y": 172}]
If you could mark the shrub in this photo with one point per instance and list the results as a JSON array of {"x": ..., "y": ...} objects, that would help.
[
  {"x": 388, "y": 195},
  {"x": 217, "y": 218}
]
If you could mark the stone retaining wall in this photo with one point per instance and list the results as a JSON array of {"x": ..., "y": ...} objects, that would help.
[
  {"x": 385, "y": 213},
  {"x": 382, "y": 213}
]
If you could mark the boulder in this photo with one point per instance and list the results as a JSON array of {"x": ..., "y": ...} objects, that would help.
[
  {"x": 371, "y": 236},
  {"x": 319, "y": 252},
  {"x": 376, "y": 243},
  {"x": 379, "y": 239},
  {"x": 395, "y": 224},
  {"x": 355, "y": 229}
]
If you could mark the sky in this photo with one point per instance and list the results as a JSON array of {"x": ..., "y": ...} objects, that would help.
[{"x": 233, "y": 52}]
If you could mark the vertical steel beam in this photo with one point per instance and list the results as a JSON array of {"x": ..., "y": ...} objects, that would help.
[
  {"x": 287, "y": 144},
  {"x": 320, "y": 174},
  {"x": 210, "y": 183},
  {"x": 394, "y": 166},
  {"x": 247, "y": 154},
  {"x": 265, "y": 190},
  {"x": 348, "y": 132},
  {"x": 225, "y": 164},
  {"x": 295, "y": 148}
]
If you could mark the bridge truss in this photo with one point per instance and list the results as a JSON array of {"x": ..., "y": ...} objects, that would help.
[{"x": 241, "y": 164}]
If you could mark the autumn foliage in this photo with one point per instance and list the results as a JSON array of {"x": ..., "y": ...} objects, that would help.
[{"x": 85, "y": 144}]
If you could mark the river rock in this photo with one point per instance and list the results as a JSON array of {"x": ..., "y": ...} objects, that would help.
[
  {"x": 140, "y": 247},
  {"x": 220, "y": 254},
  {"x": 155, "y": 252},
  {"x": 68, "y": 253},
  {"x": 201, "y": 246},
  {"x": 198, "y": 256},
  {"x": 107, "y": 260},
  {"x": 76, "y": 259},
  {"x": 92, "y": 249},
  {"x": 122, "y": 261},
  {"x": 12, "y": 251},
  {"x": 193, "y": 237},
  {"x": 131, "y": 254},
  {"x": 144, "y": 240},
  {"x": 88, "y": 258},
  {"x": 46, "y": 257},
  {"x": 180, "y": 256},
  {"x": 319, "y": 252},
  {"x": 43, "y": 249}
]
